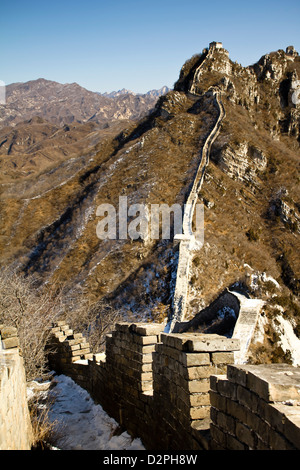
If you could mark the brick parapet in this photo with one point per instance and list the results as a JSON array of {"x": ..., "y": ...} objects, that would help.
[
  {"x": 15, "y": 425},
  {"x": 183, "y": 391},
  {"x": 256, "y": 408},
  {"x": 155, "y": 385}
]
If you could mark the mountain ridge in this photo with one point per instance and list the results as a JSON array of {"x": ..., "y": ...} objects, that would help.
[
  {"x": 250, "y": 194},
  {"x": 70, "y": 102}
]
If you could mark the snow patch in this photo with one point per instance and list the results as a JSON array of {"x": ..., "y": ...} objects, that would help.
[
  {"x": 85, "y": 425},
  {"x": 288, "y": 340}
]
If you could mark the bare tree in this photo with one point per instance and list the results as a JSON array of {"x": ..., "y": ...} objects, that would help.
[
  {"x": 93, "y": 320},
  {"x": 32, "y": 312}
]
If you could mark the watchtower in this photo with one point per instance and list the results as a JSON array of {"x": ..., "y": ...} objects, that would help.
[{"x": 216, "y": 45}]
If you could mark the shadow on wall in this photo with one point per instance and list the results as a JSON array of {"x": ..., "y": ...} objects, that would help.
[{"x": 218, "y": 318}]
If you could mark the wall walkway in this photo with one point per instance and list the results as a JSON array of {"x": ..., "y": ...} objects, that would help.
[
  {"x": 187, "y": 241},
  {"x": 183, "y": 391}
]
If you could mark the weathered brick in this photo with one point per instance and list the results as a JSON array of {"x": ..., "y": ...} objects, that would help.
[
  {"x": 198, "y": 399},
  {"x": 211, "y": 343},
  {"x": 199, "y": 412},
  {"x": 197, "y": 386},
  {"x": 227, "y": 389},
  {"x": 225, "y": 422},
  {"x": 217, "y": 401},
  {"x": 148, "y": 329},
  {"x": 247, "y": 398},
  {"x": 8, "y": 332},
  {"x": 222, "y": 357},
  {"x": 236, "y": 410},
  {"x": 237, "y": 375},
  {"x": 287, "y": 422},
  {"x": 9, "y": 343},
  {"x": 245, "y": 435},
  {"x": 218, "y": 435},
  {"x": 234, "y": 444}
]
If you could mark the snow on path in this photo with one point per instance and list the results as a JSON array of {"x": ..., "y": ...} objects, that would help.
[{"x": 85, "y": 425}]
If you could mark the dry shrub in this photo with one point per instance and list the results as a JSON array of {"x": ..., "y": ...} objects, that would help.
[
  {"x": 160, "y": 312},
  {"x": 94, "y": 320},
  {"x": 44, "y": 430},
  {"x": 32, "y": 312}
]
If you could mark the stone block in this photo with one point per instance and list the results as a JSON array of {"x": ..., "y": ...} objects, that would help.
[
  {"x": 144, "y": 340},
  {"x": 278, "y": 442},
  {"x": 235, "y": 409},
  {"x": 211, "y": 343},
  {"x": 272, "y": 382},
  {"x": 224, "y": 421},
  {"x": 201, "y": 412},
  {"x": 245, "y": 435},
  {"x": 222, "y": 358},
  {"x": 9, "y": 343},
  {"x": 67, "y": 332},
  {"x": 148, "y": 329},
  {"x": 8, "y": 332},
  {"x": 247, "y": 398},
  {"x": 195, "y": 359},
  {"x": 77, "y": 335},
  {"x": 99, "y": 357},
  {"x": 198, "y": 386},
  {"x": 122, "y": 326},
  {"x": 199, "y": 399},
  {"x": 227, "y": 389},
  {"x": 234, "y": 444},
  {"x": 218, "y": 435},
  {"x": 55, "y": 329},
  {"x": 259, "y": 426},
  {"x": 292, "y": 425},
  {"x": 200, "y": 372},
  {"x": 237, "y": 374},
  {"x": 174, "y": 340},
  {"x": 217, "y": 401},
  {"x": 59, "y": 323},
  {"x": 214, "y": 379}
]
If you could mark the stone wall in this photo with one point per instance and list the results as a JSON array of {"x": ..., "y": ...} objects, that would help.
[
  {"x": 15, "y": 425},
  {"x": 172, "y": 391},
  {"x": 156, "y": 385},
  {"x": 256, "y": 407},
  {"x": 188, "y": 243}
]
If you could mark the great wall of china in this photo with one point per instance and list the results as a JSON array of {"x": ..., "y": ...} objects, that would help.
[
  {"x": 176, "y": 391},
  {"x": 187, "y": 242}
]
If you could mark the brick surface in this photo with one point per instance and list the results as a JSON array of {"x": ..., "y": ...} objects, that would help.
[{"x": 164, "y": 387}]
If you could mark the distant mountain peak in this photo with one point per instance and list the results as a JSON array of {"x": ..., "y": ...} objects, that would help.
[
  {"x": 153, "y": 93},
  {"x": 67, "y": 103},
  {"x": 114, "y": 94}
]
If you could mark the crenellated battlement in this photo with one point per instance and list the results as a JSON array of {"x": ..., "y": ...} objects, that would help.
[
  {"x": 174, "y": 391},
  {"x": 182, "y": 390}
]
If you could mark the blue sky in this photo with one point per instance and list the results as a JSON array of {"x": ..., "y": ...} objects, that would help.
[{"x": 108, "y": 45}]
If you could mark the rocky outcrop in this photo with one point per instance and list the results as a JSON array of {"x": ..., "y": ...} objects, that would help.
[{"x": 241, "y": 162}]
